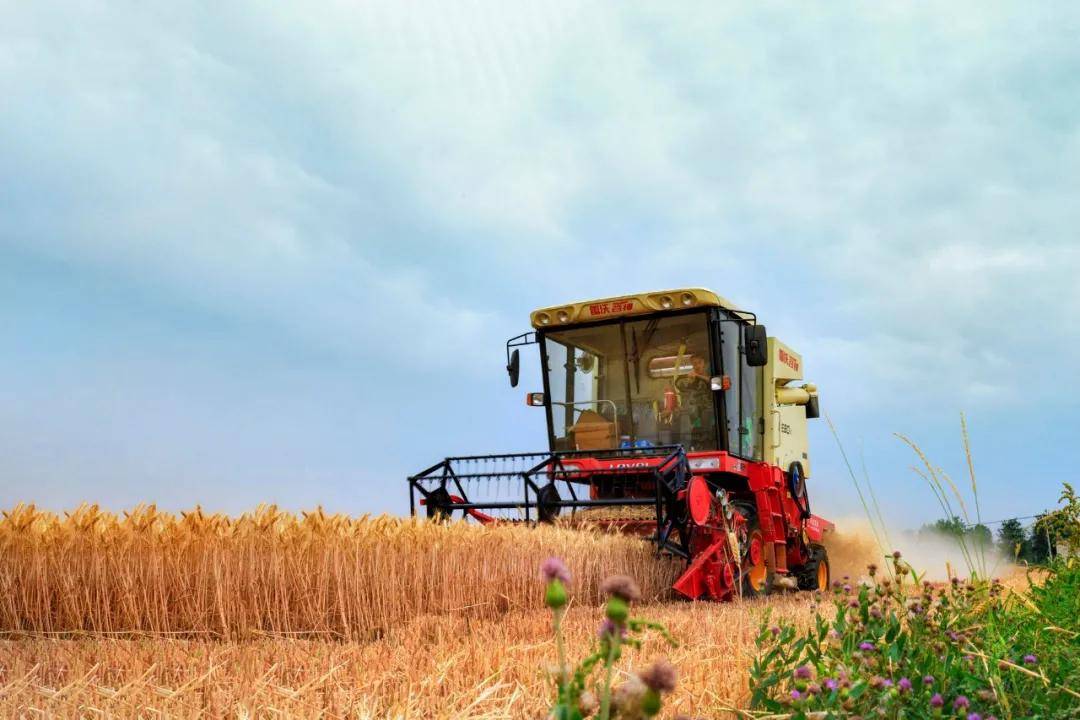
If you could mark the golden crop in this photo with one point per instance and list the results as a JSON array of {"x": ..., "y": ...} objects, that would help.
[{"x": 269, "y": 572}]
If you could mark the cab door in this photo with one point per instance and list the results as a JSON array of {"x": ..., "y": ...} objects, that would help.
[{"x": 742, "y": 401}]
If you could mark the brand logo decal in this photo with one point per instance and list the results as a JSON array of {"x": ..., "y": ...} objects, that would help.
[
  {"x": 609, "y": 308},
  {"x": 790, "y": 360}
]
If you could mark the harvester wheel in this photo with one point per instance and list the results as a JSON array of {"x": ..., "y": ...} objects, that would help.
[
  {"x": 438, "y": 504},
  {"x": 545, "y": 509},
  {"x": 815, "y": 574},
  {"x": 755, "y": 573}
]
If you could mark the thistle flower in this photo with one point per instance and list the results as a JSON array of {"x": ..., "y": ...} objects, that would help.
[
  {"x": 831, "y": 685},
  {"x": 621, "y": 586},
  {"x": 588, "y": 703},
  {"x": 813, "y": 689},
  {"x": 872, "y": 569},
  {"x": 775, "y": 630},
  {"x": 974, "y": 716},
  {"x": 937, "y": 701},
  {"x": 554, "y": 569},
  {"x": 803, "y": 672},
  {"x": 1030, "y": 660},
  {"x": 928, "y": 680},
  {"x": 628, "y": 695},
  {"x": 609, "y": 629},
  {"x": 796, "y": 695},
  {"x": 896, "y": 554},
  {"x": 904, "y": 685},
  {"x": 660, "y": 677},
  {"x": 866, "y": 646},
  {"x": 961, "y": 702}
]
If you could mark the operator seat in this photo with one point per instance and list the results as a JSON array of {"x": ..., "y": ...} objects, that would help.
[{"x": 593, "y": 432}]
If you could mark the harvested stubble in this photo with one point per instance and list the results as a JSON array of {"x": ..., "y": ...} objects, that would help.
[
  {"x": 268, "y": 572},
  {"x": 429, "y": 667}
]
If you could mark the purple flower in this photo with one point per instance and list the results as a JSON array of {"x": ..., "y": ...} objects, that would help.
[
  {"x": 904, "y": 684},
  {"x": 937, "y": 701},
  {"x": 803, "y": 672},
  {"x": 853, "y": 603},
  {"x": 961, "y": 702},
  {"x": 1030, "y": 660},
  {"x": 886, "y": 683},
  {"x": 831, "y": 684},
  {"x": 866, "y": 646},
  {"x": 608, "y": 628},
  {"x": 974, "y": 716},
  {"x": 796, "y": 695},
  {"x": 774, "y": 630},
  {"x": 813, "y": 689},
  {"x": 928, "y": 680},
  {"x": 554, "y": 569},
  {"x": 660, "y": 677},
  {"x": 847, "y": 588}
]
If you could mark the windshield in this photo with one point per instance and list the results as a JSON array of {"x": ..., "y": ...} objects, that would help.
[{"x": 632, "y": 384}]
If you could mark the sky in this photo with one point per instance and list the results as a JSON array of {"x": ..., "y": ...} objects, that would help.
[{"x": 270, "y": 253}]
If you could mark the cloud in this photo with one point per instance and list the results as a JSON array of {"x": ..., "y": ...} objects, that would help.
[{"x": 891, "y": 187}]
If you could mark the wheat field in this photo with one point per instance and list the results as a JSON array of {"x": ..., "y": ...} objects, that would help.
[
  {"x": 273, "y": 573},
  {"x": 270, "y": 614}
]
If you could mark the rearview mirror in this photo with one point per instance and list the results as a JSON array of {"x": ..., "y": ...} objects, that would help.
[
  {"x": 756, "y": 346},
  {"x": 535, "y": 399},
  {"x": 514, "y": 367}
]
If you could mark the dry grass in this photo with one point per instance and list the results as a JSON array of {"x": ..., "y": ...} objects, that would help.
[
  {"x": 430, "y": 667},
  {"x": 272, "y": 615},
  {"x": 200, "y": 575}
]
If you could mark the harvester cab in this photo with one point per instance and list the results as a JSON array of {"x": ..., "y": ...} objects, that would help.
[{"x": 670, "y": 415}]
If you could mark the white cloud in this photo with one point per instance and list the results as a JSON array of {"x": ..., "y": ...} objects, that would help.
[{"x": 891, "y": 186}]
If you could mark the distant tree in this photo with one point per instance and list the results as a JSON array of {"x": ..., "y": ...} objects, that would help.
[
  {"x": 1063, "y": 525},
  {"x": 1013, "y": 540},
  {"x": 1043, "y": 544},
  {"x": 980, "y": 535},
  {"x": 953, "y": 527}
]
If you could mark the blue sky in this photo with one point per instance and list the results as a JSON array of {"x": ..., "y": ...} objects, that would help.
[{"x": 268, "y": 254}]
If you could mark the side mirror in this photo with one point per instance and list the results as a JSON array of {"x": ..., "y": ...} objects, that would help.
[
  {"x": 514, "y": 367},
  {"x": 756, "y": 343},
  {"x": 535, "y": 399},
  {"x": 813, "y": 409}
]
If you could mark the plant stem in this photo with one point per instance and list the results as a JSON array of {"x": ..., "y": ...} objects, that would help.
[
  {"x": 609, "y": 664},
  {"x": 556, "y": 622}
]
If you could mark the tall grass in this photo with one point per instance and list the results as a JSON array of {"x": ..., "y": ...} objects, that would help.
[{"x": 269, "y": 572}]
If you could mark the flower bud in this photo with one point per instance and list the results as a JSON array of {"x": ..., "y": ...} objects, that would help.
[
  {"x": 555, "y": 595},
  {"x": 650, "y": 702},
  {"x": 617, "y": 609}
]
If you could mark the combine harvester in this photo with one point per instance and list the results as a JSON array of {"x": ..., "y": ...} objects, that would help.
[{"x": 671, "y": 415}]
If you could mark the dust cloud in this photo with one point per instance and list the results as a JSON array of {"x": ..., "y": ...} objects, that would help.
[{"x": 853, "y": 546}]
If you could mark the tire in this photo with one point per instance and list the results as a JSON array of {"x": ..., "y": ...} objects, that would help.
[
  {"x": 438, "y": 504},
  {"x": 544, "y": 510},
  {"x": 816, "y": 573},
  {"x": 755, "y": 576}
]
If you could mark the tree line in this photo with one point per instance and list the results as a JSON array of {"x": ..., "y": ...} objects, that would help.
[{"x": 1052, "y": 531}]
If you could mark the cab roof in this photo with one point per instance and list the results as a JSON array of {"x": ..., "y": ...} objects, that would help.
[{"x": 585, "y": 311}]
